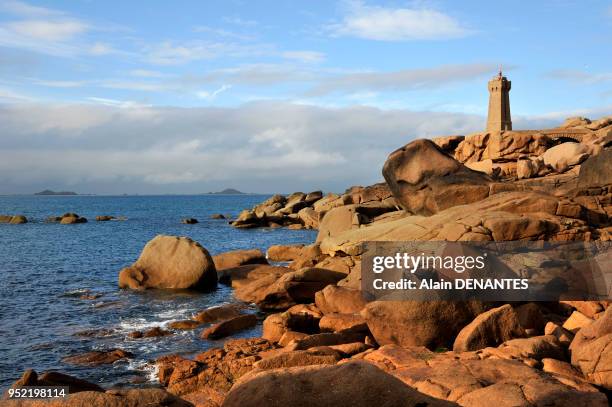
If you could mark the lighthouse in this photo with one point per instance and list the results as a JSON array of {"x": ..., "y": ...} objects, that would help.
[{"x": 499, "y": 119}]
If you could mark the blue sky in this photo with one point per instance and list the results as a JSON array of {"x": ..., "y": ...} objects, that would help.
[{"x": 304, "y": 95}]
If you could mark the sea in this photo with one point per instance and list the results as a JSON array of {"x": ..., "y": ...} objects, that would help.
[{"x": 58, "y": 283}]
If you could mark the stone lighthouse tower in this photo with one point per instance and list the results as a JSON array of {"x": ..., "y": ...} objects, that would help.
[{"x": 499, "y": 104}]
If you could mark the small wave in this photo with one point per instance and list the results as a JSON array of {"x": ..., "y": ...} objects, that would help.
[
  {"x": 181, "y": 312},
  {"x": 138, "y": 324},
  {"x": 76, "y": 292},
  {"x": 151, "y": 370}
]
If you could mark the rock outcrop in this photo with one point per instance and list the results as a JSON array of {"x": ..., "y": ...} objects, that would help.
[
  {"x": 470, "y": 381},
  {"x": 104, "y": 218},
  {"x": 237, "y": 258},
  {"x": 490, "y": 328},
  {"x": 189, "y": 221},
  {"x": 419, "y": 323},
  {"x": 94, "y": 358},
  {"x": 67, "y": 219},
  {"x": 307, "y": 211},
  {"x": 501, "y": 217},
  {"x": 424, "y": 180},
  {"x": 591, "y": 350},
  {"x": 13, "y": 219},
  {"x": 229, "y": 326},
  {"x": 354, "y": 384},
  {"x": 110, "y": 398},
  {"x": 171, "y": 262}
]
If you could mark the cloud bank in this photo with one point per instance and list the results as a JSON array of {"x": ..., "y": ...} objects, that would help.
[
  {"x": 122, "y": 147},
  {"x": 258, "y": 147}
]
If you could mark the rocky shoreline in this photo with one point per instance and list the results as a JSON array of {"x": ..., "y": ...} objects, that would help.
[{"x": 323, "y": 344}]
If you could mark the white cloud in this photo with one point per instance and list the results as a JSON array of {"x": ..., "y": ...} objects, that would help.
[
  {"x": 124, "y": 104},
  {"x": 304, "y": 56},
  {"x": 132, "y": 85},
  {"x": 253, "y": 75},
  {"x": 407, "y": 79},
  {"x": 212, "y": 95},
  {"x": 52, "y": 32},
  {"x": 26, "y": 10},
  {"x": 223, "y": 33},
  {"x": 118, "y": 146},
  {"x": 240, "y": 22},
  {"x": 398, "y": 24},
  {"x": 46, "y": 30},
  {"x": 581, "y": 77},
  {"x": 59, "y": 84},
  {"x": 170, "y": 53},
  {"x": 12, "y": 96},
  {"x": 100, "y": 48},
  {"x": 147, "y": 73},
  {"x": 265, "y": 147}
]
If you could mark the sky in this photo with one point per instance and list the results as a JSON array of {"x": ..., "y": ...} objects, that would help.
[{"x": 148, "y": 97}]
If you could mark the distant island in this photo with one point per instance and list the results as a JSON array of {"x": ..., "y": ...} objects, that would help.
[
  {"x": 228, "y": 191},
  {"x": 49, "y": 192}
]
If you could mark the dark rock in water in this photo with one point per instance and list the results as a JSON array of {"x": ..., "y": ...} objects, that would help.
[
  {"x": 13, "y": 219},
  {"x": 137, "y": 380},
  {"x": 217, "y": 216},
  {"x": 171, "y": 262},
  {"x": 95, "y": 358},
  {"x": 189, "y": 221},
  {"x": 247, "y": 219},
  {"x": 75, "y": 385},
  {"x": 67, "y": 219},
  {"x": 230, "y": 327},
  {"x": 96, "y": 333},
  {"x": 184, "y": 324},
  {"x": 89, "y": 296},
  {"x": 151, "y": 333},
  {"x": 104, "y": 218},
  {"x": 18, "y": 219},
  {"x": 107, "y": 304},
  {"x": 81, "y": 293}
]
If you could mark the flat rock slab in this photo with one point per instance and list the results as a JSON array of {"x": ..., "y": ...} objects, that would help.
[{"x": 230, "y": 326}]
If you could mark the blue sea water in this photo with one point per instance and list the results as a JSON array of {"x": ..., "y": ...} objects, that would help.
[{"x": 45, "y": 268}]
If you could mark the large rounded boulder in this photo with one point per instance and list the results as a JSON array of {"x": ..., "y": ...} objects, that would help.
[
  {"x": 424, "y": 180},
  {"x": 433, "y": 324},
  {"x": 171, "y": 262},
  {"x": 356, "y": 384},
  {"x": 596, "y": 171}
]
